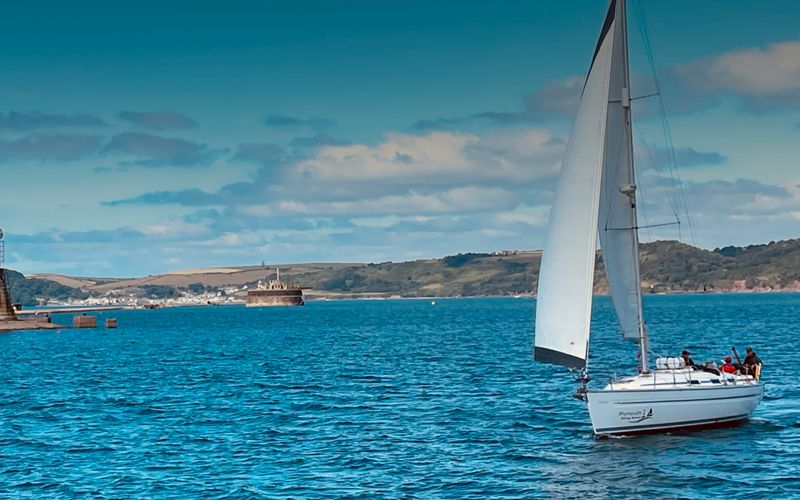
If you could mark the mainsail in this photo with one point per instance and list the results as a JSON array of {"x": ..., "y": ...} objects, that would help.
[
  {"x": 617, "y": 221},
  {"x": 564, "y": 300}
]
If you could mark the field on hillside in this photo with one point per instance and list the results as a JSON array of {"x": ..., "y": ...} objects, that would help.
[{"x": 667, "y": 266}]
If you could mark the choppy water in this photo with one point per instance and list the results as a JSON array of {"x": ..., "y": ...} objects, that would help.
[{"x": 376, "y": 398}]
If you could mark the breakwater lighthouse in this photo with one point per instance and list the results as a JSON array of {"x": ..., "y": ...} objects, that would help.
[{"x": 6, "y": 308}]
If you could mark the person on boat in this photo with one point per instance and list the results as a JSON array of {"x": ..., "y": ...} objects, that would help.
[
  {"x": 686, "y": 359},
  {"x": 751, "y": 359},
  {"x": 728, "y": 366}
]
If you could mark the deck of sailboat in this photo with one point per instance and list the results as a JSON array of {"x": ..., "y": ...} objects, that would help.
[{"x": 680, "y": 378}]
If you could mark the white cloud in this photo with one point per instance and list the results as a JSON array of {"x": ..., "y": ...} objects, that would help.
[
  {"x": 231, "y": 239},
  {"x": 439, "y": 157},
  {"x": 763, "y": 77},
  {"x": 558, "y": 97},
  {"x": 758, "y": 71},
  {"x": 777, "y": 203},
  {"x": 533, "y": 216},
  {"x": 174, "y": 229},
  {"x": 401, "y": 156},
  {"x": 455, "y": 200}
]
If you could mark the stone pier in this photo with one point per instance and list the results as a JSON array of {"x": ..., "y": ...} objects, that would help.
[{"x": 8, "y": 317}]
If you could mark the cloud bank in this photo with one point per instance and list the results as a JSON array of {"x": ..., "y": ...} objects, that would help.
[
  {"x": 50, "y": 146},
  {"x": 283, "y": 121},
  {"x": 15, "y": 120},
  {"x": 762, "y": 79},
  {"x": 159, "y": 120},
  {"x": 155, "y": 151}
]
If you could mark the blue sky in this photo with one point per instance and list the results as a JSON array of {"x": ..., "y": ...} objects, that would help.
[{"x": 143, "y": 137}]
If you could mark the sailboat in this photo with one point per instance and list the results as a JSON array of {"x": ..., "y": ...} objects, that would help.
[{"x": 596, "y": 198}]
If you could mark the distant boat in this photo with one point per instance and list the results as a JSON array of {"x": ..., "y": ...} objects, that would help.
[
  {"x": 275, "y": 293},
  {"x": 597, "y": 193}
]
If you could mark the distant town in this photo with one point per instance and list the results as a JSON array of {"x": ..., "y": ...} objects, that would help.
[
  {"x": 667, "y": 267},
  {"x": 226, "y": 295}
]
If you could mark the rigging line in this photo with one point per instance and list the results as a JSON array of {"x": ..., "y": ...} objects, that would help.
[
  {"x": 654, "y": 94},
  {"x": 635, "y": 98},
  {"x": 653, "y": 162},
  {"x": 678, "y": 188},
  {"x": 643, "y": 227},
  {"x": 671, "y": 200},
  {"x": 642, "y": 198},
  {"x": 667, "y": 134}
]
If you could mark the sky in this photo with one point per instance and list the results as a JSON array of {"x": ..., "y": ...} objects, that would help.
[{"x": 146, "y": 137}]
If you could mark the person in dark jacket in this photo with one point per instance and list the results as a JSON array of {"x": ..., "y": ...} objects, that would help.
[
  {"x": 687, "y": 359},
  {"x": 751, "y": 359}
]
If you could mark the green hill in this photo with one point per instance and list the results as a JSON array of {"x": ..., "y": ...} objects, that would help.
[
  {"x": 26, "y": 290},
  {"x": 667, "y": 266}
]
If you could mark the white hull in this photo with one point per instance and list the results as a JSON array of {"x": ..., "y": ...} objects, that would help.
[
  {"x": 671, "y": 400},
  {"x": 596, "y": 196}
]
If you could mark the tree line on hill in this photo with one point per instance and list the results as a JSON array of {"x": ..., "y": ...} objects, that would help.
[
  {"x": 667, "y": 266},
  {"x": 25, "y": 291}
]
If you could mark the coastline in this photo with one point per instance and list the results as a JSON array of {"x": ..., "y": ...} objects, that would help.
[{"x": 768, "y": 268}]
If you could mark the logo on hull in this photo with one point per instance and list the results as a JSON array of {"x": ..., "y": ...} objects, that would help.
[{"x": 634, "y": 417}]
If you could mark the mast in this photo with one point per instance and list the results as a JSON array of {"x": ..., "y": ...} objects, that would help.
[
  {"x": 626, "y": 106},
  {"x": 617, "y": 223}
]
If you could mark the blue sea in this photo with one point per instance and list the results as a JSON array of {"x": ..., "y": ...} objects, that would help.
[{"x": 389, "y": 398}]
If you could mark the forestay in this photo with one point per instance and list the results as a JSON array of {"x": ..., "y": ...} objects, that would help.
[{"x": 564, "y": 300}]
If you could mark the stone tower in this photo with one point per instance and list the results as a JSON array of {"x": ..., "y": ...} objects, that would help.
[{"x": 6, "y": 309}]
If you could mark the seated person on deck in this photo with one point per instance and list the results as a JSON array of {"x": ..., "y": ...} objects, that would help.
[
  {"x": 751, "y": 360},
  {"x": 728, "y": 367}
]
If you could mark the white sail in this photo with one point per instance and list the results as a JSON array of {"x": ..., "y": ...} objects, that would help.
[
  {"x": 596, "y": 197},
  {"x": 617, "y": 220},
  {"x": 564, "y": 300}
]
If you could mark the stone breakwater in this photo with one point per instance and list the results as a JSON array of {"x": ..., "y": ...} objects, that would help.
[{"x": 28, "y": 324}]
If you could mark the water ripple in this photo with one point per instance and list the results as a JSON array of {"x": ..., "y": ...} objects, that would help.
[{"x": 365, "y": 399}]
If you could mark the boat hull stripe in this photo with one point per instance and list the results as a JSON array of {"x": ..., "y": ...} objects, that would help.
[
  {"x": 683, "y": 400},
  {"x": 672, "y": 425}
]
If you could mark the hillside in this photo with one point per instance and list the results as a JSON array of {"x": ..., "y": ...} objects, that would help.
[
  {"x": 666, "y": 266},
  {"x": 25, "y": 290}
]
